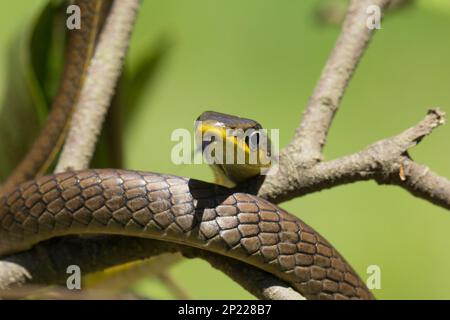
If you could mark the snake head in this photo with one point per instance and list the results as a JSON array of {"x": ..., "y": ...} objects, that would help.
[{"x": 236, "y": 148}]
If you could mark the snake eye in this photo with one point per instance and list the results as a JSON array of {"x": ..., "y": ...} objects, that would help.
[{"x": 252, "y": 140}]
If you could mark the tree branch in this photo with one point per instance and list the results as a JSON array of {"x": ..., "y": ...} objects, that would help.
[
  {"x": 305, "y": 149},
  {"x": 80, "y": 143},
  {"x": 421, "y": 182},
  {"x": 90, "y": 112},
  {"x": 86, "y": 124},
  {"x": 385, "y": 161},
  {"x": 301, "y": 172},
  {"x": 93, "y": 254},
  {"x": 306, "y": 146}
]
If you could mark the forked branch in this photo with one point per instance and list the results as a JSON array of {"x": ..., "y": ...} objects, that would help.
[
  {"x": 310, "y": 137},
  {"x": 385, "y": 161}
]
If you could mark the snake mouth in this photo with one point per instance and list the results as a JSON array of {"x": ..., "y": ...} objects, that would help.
[{"x": 236, "y": 148}]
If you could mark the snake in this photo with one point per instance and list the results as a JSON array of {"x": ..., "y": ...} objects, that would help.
[
  {"x": 79, "y": 49},
  {"x": 217, "y": 217}
]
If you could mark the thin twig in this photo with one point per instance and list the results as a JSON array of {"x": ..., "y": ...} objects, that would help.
[
  {"x": 421, "y": 182},
  {"x": 306, "y": 146}
]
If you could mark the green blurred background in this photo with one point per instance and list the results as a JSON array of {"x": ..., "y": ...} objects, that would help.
[{"x": 261, "y": 59}]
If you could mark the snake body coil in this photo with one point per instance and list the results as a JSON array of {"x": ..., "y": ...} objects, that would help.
[
  {"x": 162, "y": 207},
  {"x": 180, "y": 210}
]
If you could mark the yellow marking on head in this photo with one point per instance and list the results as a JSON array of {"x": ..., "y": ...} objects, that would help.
[{"x": 232, "y": 172}]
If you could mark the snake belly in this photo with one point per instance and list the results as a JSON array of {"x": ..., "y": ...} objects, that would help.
[{"x": 180, "y": 210}]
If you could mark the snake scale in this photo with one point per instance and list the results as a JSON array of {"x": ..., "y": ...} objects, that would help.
[{"x": 163, "y": 207}]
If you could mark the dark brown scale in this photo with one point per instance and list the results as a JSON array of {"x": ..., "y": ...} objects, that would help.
[{"x": 189, "y": 212}]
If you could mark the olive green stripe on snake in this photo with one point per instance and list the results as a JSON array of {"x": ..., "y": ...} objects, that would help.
[{"x": 180, "y": 210}]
